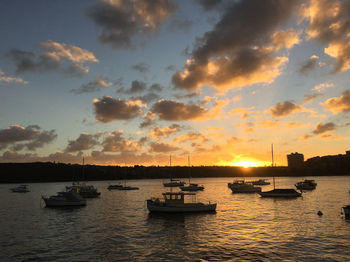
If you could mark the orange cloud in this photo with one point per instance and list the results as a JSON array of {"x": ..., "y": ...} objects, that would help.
[{"x": 338, "y": 104}]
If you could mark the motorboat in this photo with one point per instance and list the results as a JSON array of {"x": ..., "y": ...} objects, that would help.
[
  {"x": 174, "y": 202},
  {"x": 128, "y": 188},
  {"x": 346, "y": 210},
  {"x": 64, "y": 199},
  {"x": 20, "y": 189},
  {"x": 117, "y": 186},
  {"x": 240, "y": 186},
  {"x": 174, "y": 183},
  {"x": 307, "y": 184},
  {"x": 281, "y": 192},
  {"x": 192, "y": 187},
  {"x": 86, "y": 191},
  {"x": 260, "y": 182}
]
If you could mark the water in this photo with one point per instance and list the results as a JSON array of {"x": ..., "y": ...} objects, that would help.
[{"x": 118, "y": 227}]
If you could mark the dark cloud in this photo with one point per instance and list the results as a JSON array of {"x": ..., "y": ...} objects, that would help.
[
  {"x": 97, "y": 85},
  {"x": 108, "y": 109},
  {"x": 177, "y": 111},
  {"x": 162, "y": 147},
  {"x": 141, "y": 67},
  {"x": 146, "y": 98},
  {"x": 308, "y": 65},
  {"x": 241, "y": 49},
  {"x": 122, "y": 20},
  {"x": 115, "y": 142},
  {"x": 30, "y": 137},
  {"x": 83, "y": 142},
  {"x": 54, "y": 55},
  {"x": 171, "y": 68},
  {"x": 322, "y": 128},
  {"x": 309, "y": 98},
  {"x": 284, "y": 109},
  {"x": 159, "y": 132},
  {"x": 339, "y": 104},
  {"x": 148, "y": 120},
  {"x": 156, "y": 87},
  {"x": 136, "y": 87},
  {"x": 330, "y": 24}
]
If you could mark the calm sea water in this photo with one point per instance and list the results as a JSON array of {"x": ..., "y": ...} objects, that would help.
[{"x": 118, "y": 227}]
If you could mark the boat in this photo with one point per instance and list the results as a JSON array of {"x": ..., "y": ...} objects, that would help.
[
  {"x": 174, "y": 202},
  {"x": 346, "y": 210},
  {"x": 259, "y": 182},
  {"x": 191, "y": 186},
  {"x": 128, "y": 188},
  {"x": 279, "y": 192},
  {"x": 20, "y": 189},
  {"x": 174, "y": 182},
  {"x": 86, "y": 191},
  {"x": 240, "y": 186},
  {"x": 64, "y": 199},
  {"x": 307, "y": 184},
  {"x": 117, "y": 186}
]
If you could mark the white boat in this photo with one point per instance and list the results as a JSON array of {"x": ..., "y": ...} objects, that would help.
[
  {"x": 279, "y": 192},
  {"x": 20, "y": 189},
  {"x": 240, "y": 186},
  {"x": 307, "y": 184},
  {"x": 346, "y": 210},
  {"x": 259, "y": 182},
  {"x": 174, "y": 202},
  {"x": 64, "y": 199},
  {"x": 191, "y": 186}
]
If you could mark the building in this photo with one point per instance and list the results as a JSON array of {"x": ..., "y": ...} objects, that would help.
[{"x": 295, "y": 160}]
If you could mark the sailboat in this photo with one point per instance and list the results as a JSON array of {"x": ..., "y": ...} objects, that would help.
[
  {"x": 279, "y": 192},
  {"x": 191, "y": 186},
  {"x": 84, "y": 190},
  {"x": 173, "y": 182}
]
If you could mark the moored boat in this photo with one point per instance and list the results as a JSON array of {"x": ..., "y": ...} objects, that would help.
[
  {"x": 117, "y": 186},
  {"x": 259, "y": 182},
  {"x": 281, "y": 192},
  {"x": 346, "y": 210},
  {"x": 174, "y": 202},
  {"x": 240, "y": 186},
  {"x": 174, "y": 183},
  {"x": 192, "y": 187},
  {"x": 307, "y": 184},
  {"x": 86, "y": 191},
  {"x": 20, "y": 189},
  {"x": 64, "y": 199}
]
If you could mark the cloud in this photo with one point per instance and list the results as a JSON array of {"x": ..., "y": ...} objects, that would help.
[
  {"x": 54, "y": 56},
  {"x": 329, "y": 24},
  {"x": 146, "y": 98},
  {"x": 97, "y": 85},
  {"x": 241, "y": 49},
  {"x": 177, "y": 111},
  {"x": 148, "y": 120},
  {"x": 141, "y": 67},
  {"x": 309, "y": 98},
  {"x": 30, "y": 137},
  {"x": 305, "y": 137},
  {"x": 180, "y": 25},
  {"x": 156, "y": 87},
  {"x": 243, "y": 111},
  {"x": 122, "y": 20},
  {"x": 108, "y": 109},
  {"x": 284, "y": 109},
  {"x": 115, "y": 142},
  {"x": 11, "y": 79},
  {"x": 322, "y": 86},
  {"x": 136, "y": 87},
  {"x": 323, "y": 128},
  {"x": 338, "y": 104},
  {"x": 308, "y": 65},
  {"x": 83, "y": 142},
  {"x": 159, "y": 132},
  {"x": 191, "y": 136},
  {"x": 161, "y": 148},
  {"x": 209, "y": 4}
]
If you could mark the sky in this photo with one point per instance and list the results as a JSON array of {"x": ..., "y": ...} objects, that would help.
[{"x": 133, "y": 82}]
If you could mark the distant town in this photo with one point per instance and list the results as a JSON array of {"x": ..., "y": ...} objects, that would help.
[{"x": 51, "y": 172}]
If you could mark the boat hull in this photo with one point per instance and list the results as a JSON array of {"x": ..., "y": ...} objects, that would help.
[
  {"x": 346, "y": 210},
  {"x": 283, "y": 193},
  {"x": 190, "y": 208},
  {"x": 246, "y": 190},
  {"x": 55, "y": 203}
]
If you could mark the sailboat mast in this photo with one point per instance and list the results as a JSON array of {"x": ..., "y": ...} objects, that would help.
[
  {"x": 272, "y": 164},
  {"x": 189, "y": 169}
]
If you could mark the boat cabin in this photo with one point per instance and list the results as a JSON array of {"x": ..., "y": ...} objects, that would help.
[{"x": 177, "y": 198}]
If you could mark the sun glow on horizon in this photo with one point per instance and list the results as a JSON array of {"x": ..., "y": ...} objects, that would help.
[{"x": 246, "y": 164}]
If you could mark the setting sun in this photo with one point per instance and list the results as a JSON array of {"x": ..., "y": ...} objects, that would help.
[{"x": 246, "y": 164}]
